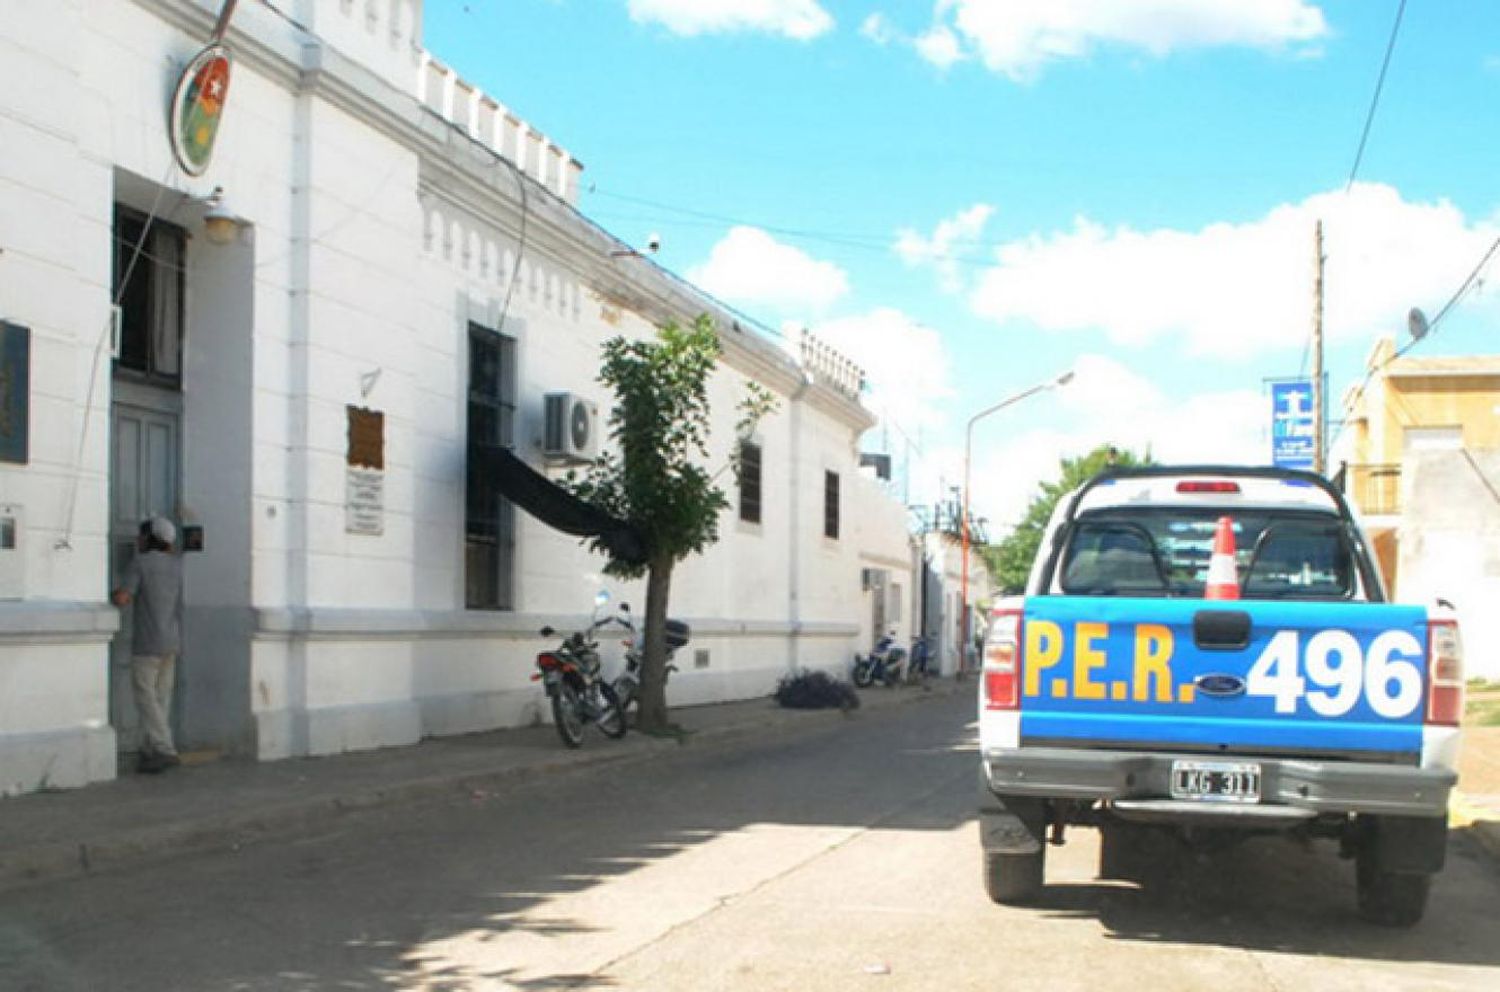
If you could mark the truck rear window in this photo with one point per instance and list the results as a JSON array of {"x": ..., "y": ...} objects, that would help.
[{"x": 1164, "y": 551}]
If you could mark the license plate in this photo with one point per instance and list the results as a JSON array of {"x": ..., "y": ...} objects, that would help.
[{"x": 1218, "y": 781}]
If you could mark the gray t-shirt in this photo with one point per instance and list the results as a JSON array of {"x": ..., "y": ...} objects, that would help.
[{"x": 154, "y": 581}]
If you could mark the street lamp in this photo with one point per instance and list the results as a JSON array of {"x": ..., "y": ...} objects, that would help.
[{"x": 1060, "y": 381}]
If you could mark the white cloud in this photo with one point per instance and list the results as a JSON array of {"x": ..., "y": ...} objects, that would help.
[
  {"x": 878, "y": 29},
  {"x": 940, "y": 46},
  {"x": 750, "y": 267},
  {"x": 938, "y": 250},
  {"x": 1017, "y": 38},
  {"x": 798, "y": 19},
  {"x": 1107, "y": 403},
  {"x": 905, "y": 363},
  {"x": 1233, "y": 290}
]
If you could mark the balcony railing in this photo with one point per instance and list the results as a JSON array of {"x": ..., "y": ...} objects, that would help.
[
  {"x": 830, "y": 367},
  {"x": 1375, "y": 488}
]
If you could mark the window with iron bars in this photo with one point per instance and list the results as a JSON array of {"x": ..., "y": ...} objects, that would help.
[{"x": 489, "y": 518}]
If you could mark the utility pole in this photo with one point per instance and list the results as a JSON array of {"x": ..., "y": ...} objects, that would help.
[{"x": 1319, "y": 454}]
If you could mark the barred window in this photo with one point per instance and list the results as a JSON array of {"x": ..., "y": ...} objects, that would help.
[
  {"x": 831, "y": 505},
  {"x": 750, "y": 482},
  {"x": 489, "y": 518}
]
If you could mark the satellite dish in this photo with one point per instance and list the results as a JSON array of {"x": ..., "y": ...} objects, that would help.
[{"x": 1416, "y": 323}]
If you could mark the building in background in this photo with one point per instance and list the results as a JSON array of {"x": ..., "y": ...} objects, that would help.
[
  {"x": 295, "y": 356},
  {"x": 1420, "y": 458}
]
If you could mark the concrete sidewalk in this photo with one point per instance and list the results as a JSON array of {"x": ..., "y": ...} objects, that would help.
[{"x": 220, "y": 804}]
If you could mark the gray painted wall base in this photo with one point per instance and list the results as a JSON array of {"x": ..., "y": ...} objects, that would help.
[
  {"x": 64, "y": 759},
  {"x": 336, "y": 729},
  {"x": 469, "y": 713}
]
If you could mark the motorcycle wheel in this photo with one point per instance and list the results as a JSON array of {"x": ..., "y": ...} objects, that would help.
[
  {"x": 863, "y": 676},
  {"x": 611, "y": 713},
  {"x": 567, "y": 715},
  {"x": 625, "y": 689}
]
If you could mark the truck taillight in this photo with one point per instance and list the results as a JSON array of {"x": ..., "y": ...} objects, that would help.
[
  {"x": 1445, "y": 673},
  {"x": 1002, "y": 661}
]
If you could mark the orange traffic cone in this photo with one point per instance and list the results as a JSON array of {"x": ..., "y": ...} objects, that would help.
[{"x": 1223, "y": 581}]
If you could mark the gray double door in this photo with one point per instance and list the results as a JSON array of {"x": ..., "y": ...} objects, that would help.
[{"x": 145, "y": 479}]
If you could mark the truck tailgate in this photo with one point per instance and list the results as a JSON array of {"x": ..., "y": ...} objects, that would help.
[{"x": 1316, "y": 678}]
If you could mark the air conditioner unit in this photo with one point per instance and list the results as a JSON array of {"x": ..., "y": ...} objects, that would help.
[{"x": 570, "y": 428}]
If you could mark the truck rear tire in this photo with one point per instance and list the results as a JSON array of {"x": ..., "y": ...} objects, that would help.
[
  {"x": 1390, "y": 898},
  {"x": 1014, "y": 878}
]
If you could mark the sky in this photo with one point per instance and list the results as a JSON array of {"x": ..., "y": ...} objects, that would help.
[{"x": 970, "y": 197}]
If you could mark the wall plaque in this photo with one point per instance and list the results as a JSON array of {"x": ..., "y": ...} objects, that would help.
[
  {"x": 364, "y": 502},
  {"x": 366, "y": 438}
]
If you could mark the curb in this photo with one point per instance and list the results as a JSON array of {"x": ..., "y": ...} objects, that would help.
[{"x": 228, "y": 832}]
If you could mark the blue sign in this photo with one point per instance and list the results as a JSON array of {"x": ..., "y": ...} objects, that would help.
[{"x": 1292, "y": 424}]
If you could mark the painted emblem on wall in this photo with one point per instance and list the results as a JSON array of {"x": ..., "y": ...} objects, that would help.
[{"x": 198, "y": 107}]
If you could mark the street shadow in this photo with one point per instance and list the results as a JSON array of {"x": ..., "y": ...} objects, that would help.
[
  {"x": 1274, "y": 894},
  {"x": 514, "y": 888}
]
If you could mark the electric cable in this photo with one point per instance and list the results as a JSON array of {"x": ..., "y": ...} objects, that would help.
[
  {"x": 1453, "y": 300},
  {"x": 1364, "y": 137},
  {"x": 515, "y": 269},
  {"x": 1385, "y": 64},
  {"x": 65, "y": 541}
]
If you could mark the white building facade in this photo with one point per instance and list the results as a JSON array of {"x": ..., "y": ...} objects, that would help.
[{"x": 406, "y": 276}]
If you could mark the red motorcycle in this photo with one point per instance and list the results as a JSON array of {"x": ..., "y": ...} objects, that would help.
[{"x": 579, "y": 694}]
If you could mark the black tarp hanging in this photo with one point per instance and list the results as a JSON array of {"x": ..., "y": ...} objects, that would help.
[{"x": 553, "y": 505}]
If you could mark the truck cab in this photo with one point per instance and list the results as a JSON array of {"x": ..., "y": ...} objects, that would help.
[{"x": 1204, "y": 653}]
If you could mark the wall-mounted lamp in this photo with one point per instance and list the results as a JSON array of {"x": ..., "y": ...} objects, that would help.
[{"x": 221, "y": 224}]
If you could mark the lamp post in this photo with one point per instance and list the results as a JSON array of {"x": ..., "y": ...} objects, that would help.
[{"x": 1061, "y": 380}]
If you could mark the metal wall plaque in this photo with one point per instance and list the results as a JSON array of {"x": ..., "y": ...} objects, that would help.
[
  {"x": 366, "y": 438},
  {"x": 15, "y": 391},
  {"x": 364, "y": 502}
]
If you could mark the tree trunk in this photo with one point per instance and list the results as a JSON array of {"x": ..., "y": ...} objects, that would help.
[{"x": 651, "y": 718}]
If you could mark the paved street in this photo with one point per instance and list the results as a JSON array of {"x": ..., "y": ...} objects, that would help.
[{"x": 841, "y": 855}]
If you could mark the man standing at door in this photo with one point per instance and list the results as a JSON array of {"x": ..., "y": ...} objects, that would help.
[{"x": 153, "y": 582}]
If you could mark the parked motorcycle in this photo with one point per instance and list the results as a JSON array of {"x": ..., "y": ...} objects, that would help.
[
  {"x": 883, "y": 664},
  {"x": 919, "y": 668},
  {"x": 580, "y": 696},
  {"x": 628, "y": 684}
]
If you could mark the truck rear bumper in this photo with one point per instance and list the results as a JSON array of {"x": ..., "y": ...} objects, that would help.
[{"x": 1316, "y": 787}]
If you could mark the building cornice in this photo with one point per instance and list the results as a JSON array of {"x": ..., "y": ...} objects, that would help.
[
  {"x": 1476, "y": 372},
  {"x": 470, "y": 176}
]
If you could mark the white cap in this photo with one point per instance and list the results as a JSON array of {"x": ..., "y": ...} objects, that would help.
[{"x": 162, "y": 530}]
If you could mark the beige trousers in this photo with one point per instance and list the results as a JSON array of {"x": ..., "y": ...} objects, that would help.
[{"x": 153, "y": 676}]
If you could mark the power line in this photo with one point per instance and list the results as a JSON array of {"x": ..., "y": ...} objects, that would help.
[
  {"x": 1467, "y": 283},
  {"x": 1375, "y": 99},
  {"x": 1364, "y": 137},
  {"x": 1453, "y": 300}
]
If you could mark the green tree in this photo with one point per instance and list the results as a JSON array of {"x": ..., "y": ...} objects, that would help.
[
  {"x": 1010, "y": 560},
  {"x": 655, "y": 481}
]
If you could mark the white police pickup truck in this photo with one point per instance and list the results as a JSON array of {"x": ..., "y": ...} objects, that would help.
[{"x": 1293, "y": 698}]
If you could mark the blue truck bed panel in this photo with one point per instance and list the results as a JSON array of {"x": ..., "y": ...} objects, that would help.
[{"x": 1314, "y": 676}]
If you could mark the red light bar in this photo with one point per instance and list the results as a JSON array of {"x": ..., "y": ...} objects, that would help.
[{"x": 1208, "y": 486}]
